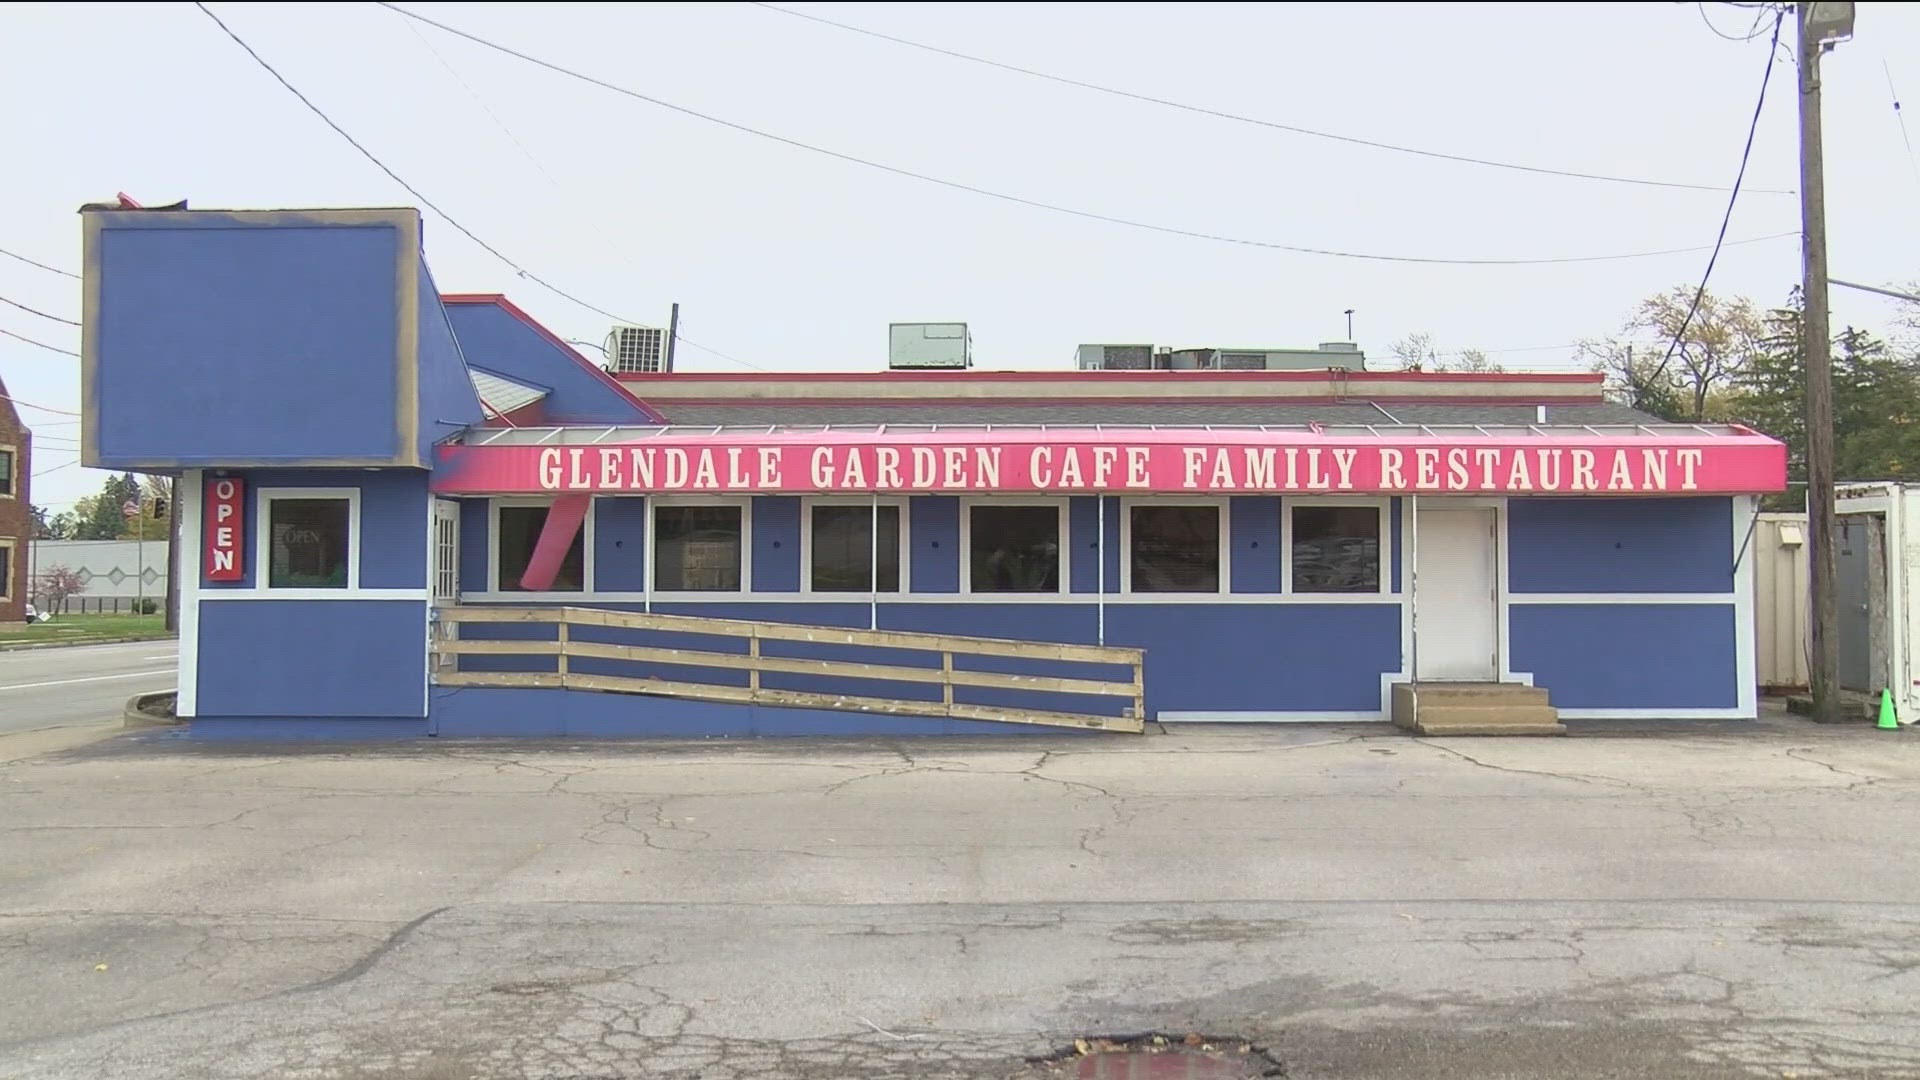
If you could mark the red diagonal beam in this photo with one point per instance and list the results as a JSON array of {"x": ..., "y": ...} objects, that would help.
[{"x": 563, "y": 524}]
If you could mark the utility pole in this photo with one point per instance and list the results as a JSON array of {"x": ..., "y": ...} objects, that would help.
[{"x": 1820, "y": 24}]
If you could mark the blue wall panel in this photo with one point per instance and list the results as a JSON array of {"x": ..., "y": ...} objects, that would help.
[
  {"x": 447, "y": 399},
  {"x": 776, "y": 543},
  {"x": 934, "y": 531},
  {"x": 219, "y": 343},
  {"x": 494, "y": 338},
  {"x": 1083, "y": 544},
  {"x": 620, "y": 544},
  {"x": 1261, "y": 658},
  {"x": 474, "y": 553},
  {"x": 1628, "y": 656},
  {"x": 1617, "y": 545},
  {"x": 316, "y": 658},
  {"x": 1254, "y": 543},
  {"x": 393, "y": 522}
]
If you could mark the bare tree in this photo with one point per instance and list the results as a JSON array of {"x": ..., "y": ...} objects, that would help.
[
  {"x": 1706, "y": 347},
  {"x": 1415, "y": 352}
]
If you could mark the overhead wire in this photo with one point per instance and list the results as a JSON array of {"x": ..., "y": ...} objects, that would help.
[
  {"x": 1239, "y": 118},
  {"x": 1901, "y": 117},
  {"x": 398, "y": 179},
  {"x": 41, "y": 265},
  {"x": 37, "y": 311},
  {"x": 1089, "y": 215},
  {"x": 42, "y": 344},
  {"x": 42, "y": 408},
  {"x": 1746, "y": 153}
]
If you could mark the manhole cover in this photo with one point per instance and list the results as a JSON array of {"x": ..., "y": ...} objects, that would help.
[{"x": 1160, "y": 1057}]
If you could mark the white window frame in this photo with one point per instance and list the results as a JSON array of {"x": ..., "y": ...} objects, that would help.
[
  {"x": 1059, "y": 503},
  {"x": 17, "y": 477},
  {"x": 806, "y": 542},
  {"x": 1217, "y": 503},
  {"x": 651, "y": 552},
  {"x": 1382, "y": 505},
  {"x": 264, "y": 498},
  {"x": 11, "y": 546},
  {"x": 493, "y": 548}
]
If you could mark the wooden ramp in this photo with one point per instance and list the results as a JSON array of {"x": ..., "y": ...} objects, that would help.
[{"x": 545, "y": 643}]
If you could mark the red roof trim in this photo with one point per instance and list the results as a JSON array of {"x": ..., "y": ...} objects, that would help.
[
  {"x": 499, "y": 300},
  {"x": 1319, "y": 375}
]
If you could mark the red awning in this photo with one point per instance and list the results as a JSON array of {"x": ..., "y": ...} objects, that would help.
[{"x": 1361, "y": 460}]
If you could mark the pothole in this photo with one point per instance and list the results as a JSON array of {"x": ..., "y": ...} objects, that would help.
[{"x": 1158, "y": 1056}]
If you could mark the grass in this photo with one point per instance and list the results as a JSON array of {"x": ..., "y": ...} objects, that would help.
[{"x": 83, "y": 628}]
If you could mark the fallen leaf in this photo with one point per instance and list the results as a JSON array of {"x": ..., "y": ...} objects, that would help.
[
  {"x": 99, "y": 967},
  {"x": 1080, "y": 1047}
]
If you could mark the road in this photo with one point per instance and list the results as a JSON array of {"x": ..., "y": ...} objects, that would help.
[
  {"x": 1700, "y": 901},
  {"x": 79, "y": 684}
]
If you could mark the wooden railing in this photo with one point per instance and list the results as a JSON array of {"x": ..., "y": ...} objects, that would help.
[{"x": 565, "y": 646}]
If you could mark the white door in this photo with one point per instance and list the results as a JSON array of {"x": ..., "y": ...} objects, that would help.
[
  {"x": 1456, "y": 600},
  {"x": 446, "y": 551}
]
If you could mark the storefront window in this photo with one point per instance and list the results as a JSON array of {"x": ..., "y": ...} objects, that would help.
[
  {"x": 1174, "y": 548},
  {"x": 309, "y": 543},
  {"x": 842, "y": 548},
  {"x": 1336, "y": 549},
  {"x": 696, "y": 548},
  {"x": 519, "y": 531},
  {"x": 1014, "y": 549}
]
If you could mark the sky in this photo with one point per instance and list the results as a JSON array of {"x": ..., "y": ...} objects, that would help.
[{"x": 787, "y": 260}]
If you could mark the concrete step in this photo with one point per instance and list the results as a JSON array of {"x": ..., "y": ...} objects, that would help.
[
  {"x": 1475, "y": 709},
  {"x": 1461, "y": 693}
]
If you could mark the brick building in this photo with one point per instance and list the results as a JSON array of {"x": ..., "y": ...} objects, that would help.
[{"x": 16, "y": 516}]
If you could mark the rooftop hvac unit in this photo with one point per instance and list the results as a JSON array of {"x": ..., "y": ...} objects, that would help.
[
  {"x": 1243, "y": 361},
  {"x": 637, "y": 350},
  {"x": 929, "y": 345},
  {"x": 1116, "y": 358}
]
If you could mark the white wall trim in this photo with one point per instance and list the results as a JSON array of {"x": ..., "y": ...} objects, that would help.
[
  {"x": 1065, "y": 527},
  {"x": 325, "y": 594},
  {"x": 1087, "y": 598},
  {"x": 904, "y": 538},
  {"x": 188, "y": 494},
  {"x": 493, "y": 541},
  {"x": 1745, "y": 651},
  {"x": 1624, "y": 598},
  {"x": 1733, "y": 713},
  {"x": 651, "y": 549},
  {"x": 263, "y": 500},
  {"x": 1223, "y": 578},
  {"x": 1320, "y": 717}
]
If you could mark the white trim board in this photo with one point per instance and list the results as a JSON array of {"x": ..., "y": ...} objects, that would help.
[
  {"x": 1088, "y": 598},
  {"x": 1624, "y": 598},
  {"x": 319, "y": 594},
  {"x": 188, "y": 495}
]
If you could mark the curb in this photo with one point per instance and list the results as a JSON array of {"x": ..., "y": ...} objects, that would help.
[
  {"x": 136, "y": 716},
  {"x": 23, "y": 646}
]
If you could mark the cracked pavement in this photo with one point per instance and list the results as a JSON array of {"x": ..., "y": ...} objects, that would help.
[{"x": 1682, "y": 900}]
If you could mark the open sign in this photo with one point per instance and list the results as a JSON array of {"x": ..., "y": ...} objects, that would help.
[{"x": 224, "y": 514}]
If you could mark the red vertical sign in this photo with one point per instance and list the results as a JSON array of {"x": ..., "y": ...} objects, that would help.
[{"x": 224, "y": 514}]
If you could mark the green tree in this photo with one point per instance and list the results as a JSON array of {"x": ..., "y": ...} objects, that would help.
[{"x": 1876, "y": 403}]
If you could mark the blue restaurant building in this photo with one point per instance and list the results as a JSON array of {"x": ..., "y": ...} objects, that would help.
[{"x": 409, "y": 514}]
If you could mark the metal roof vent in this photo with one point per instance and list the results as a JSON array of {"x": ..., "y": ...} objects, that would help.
[{"x": 637, "y": 350}]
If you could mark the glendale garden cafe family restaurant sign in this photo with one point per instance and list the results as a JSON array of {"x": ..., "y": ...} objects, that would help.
[{"x": 1244, "y": 461}]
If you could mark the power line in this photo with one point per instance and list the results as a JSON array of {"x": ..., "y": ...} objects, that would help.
[
  {"x": 42, "y": 408},
  {"x": 35, "y": 311},
  {"x": 1901, "y": 117},
  {"x": 1753, "y": 31},
  {"x": 42, "y": 344},
  {"x": 396, "y": 177},
  {"x": 57, "y": 468},
  {"x": 1238, "y": 118},
  {"x": 1746, "y": 152},
  {"x": 1021, "y": 200},
  {"x": 41, "y": 265}
]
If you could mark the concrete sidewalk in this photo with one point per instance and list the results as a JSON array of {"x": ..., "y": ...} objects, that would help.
[{"x": 1709, "y": 900}]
